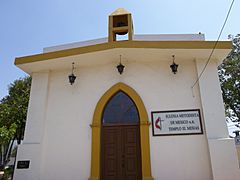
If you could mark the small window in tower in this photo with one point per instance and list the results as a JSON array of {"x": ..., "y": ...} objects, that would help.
[
  {"x": 120, "y": 21},
  {"x": 121, "y": 37}
]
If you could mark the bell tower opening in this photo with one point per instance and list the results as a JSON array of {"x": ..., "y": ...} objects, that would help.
[{"x": 120, "y": 26}]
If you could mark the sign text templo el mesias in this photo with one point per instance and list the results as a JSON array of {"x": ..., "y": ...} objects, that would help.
[{"x": 179, "y": 122}]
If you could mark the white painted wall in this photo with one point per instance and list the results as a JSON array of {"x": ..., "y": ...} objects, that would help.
[
  {"x": 66, "y": 141},
  {"x": 31, "y": 148},
  {"x": 222, "y": 149}
]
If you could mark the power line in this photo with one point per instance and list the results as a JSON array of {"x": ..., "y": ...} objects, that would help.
[{"x": 215, "y": 44}]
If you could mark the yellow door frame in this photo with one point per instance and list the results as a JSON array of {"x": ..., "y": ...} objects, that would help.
[{"x": 144, "y": 131}]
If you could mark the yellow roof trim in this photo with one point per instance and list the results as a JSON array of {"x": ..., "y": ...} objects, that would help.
[{"x": 124, "y": 44}]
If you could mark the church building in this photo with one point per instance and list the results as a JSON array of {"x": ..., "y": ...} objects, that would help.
[{"x": 141, "y": 108}]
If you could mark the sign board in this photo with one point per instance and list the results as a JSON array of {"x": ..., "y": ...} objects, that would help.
[
  {"x": 179, "y": 122},
  {"x": 23, "y": 164}
]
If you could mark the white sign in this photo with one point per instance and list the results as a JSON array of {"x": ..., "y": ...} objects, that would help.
[{"x": 181, "y": 122}]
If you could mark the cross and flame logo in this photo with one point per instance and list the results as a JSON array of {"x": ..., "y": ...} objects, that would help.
[{"x": 158, "y": 123}]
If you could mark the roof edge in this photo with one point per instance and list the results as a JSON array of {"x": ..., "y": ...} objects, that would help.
[{"x": 124, "y": 44}]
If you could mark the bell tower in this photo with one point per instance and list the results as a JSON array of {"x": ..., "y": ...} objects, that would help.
[{"x": 120, "y": 23}]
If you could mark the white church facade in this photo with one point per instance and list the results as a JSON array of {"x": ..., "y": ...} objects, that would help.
[{"x": 126, "y": 113}]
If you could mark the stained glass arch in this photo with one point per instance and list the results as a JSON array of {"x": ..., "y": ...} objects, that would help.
[{"x": 120, "y": 109}]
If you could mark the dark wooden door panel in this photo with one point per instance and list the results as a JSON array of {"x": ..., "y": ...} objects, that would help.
[
  {"x": 110, "y": 153},
  {"x": 131, "y": 151},
  {"x": 121, "y": 155}
]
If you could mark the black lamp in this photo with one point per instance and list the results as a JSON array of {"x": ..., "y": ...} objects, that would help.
[
  {"x": 120, "y": 67},
  {"x": 72, "y": 77},
  {"x": 174, "y": 66}
]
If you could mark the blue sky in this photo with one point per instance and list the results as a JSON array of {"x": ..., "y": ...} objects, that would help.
[{"x": 27, "y": 26}]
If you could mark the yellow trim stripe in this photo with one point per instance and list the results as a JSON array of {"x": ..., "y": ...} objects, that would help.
[{"x": 124, "y": 44}]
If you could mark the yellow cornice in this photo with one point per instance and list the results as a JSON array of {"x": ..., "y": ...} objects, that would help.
[{"x": 124, "y": 44}]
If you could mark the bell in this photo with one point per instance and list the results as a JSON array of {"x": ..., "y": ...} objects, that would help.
[
  {"x": 121, "y": 24},
  {"x": 121, "y": 33}
]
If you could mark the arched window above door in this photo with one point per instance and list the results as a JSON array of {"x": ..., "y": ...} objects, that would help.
[{"x": 120, "y": 109}]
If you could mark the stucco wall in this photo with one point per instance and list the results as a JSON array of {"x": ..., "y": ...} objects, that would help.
[
  {"x": 66, "y": 136},
  {"x": 222, "y": 150}
]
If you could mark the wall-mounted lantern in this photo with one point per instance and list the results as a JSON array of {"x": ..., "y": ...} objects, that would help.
[
  {"x": 72, "y": 77},
  {"x": 120, "y": 66},
  {"x": 174, "y": 66}
]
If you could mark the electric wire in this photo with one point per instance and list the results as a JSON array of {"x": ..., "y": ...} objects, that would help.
[{"x": 215, "y": 44}]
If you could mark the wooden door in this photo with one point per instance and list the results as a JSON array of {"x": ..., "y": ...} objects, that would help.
[
  {"x": 110, "y": 153},
  {"x": 121, "y": 158},
  {"x": 131, "y": 157},
  {"x": 120, "y": 140}
]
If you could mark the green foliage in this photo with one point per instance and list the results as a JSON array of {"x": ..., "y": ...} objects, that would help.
[
  {"x": 8, "y": 173},
  {"x": 13, "y": 113},
  {"x": 229, "y": 74},
  {"x": 13, "y": 107},
  {"x": 7, "y": 134}
]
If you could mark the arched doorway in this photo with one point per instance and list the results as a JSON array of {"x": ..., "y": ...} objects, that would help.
[
  {"x": 120, "y": 139},
  {"x": 97, "y": 127}
]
